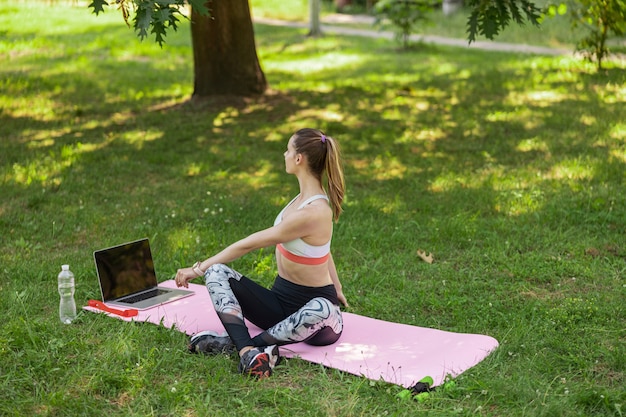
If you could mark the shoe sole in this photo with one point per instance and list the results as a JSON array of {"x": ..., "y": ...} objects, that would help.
[
  {"x": 260, "y": 366},
  {"x": 214, "y": 348}
]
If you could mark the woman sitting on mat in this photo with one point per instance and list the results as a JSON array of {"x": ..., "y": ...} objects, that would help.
[{"x": 303, "y": 304}]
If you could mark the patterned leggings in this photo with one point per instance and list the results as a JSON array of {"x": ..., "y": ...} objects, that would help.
[{"x": 317, "y": 322}]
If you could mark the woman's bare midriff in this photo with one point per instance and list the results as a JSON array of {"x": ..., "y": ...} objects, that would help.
[{"x": 307, "y": 275}]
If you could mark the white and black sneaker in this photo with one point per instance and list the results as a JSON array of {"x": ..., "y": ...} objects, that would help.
[
  {"x": 259, "y": 362},
  {"x": 210, "y": 342}
]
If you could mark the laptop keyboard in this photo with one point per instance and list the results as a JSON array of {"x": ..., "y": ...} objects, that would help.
[{"x": 144, "y": 296}]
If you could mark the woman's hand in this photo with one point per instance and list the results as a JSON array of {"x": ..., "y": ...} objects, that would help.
[
  {"x": 183, "y": 276},
  {"x": 342, "y": 298}
]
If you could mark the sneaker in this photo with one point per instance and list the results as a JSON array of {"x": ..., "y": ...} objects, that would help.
[
  {"x": 259, "y": 362},
  {"x": 210, "y": 342}
]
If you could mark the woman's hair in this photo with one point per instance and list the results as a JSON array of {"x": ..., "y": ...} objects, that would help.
[{"x": 323, "y": 154}]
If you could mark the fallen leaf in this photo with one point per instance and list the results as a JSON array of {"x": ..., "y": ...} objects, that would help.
[
  {"x": 426, "y": 257},
  {"x": 592, "y": 252}
]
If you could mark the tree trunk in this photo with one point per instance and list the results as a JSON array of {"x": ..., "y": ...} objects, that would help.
[
  {"x": 315, "y": 28},
  {"x": 224, "y": 52}
]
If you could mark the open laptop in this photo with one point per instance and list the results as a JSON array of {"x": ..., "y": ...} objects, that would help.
[{"x": 127, "y": 277}]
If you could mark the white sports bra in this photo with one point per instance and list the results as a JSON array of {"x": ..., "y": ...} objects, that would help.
[{"x": 298, "y": 250}]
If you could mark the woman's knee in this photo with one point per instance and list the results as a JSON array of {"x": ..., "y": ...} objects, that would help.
[
  {"x": 331, "y": 322},
  {"x": 325, "y": 312},
  {"x": 323, "y": 306},
  {"x": 326, "y": 336},
  {"x": 218, "y": 273}
]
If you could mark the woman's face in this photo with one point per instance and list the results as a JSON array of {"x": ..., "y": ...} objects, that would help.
[{"x": 290, "y": 157}]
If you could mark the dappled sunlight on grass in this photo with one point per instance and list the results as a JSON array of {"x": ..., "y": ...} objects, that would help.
[
  {"x": 264, "y": 173},
  {"x": 227, "y": 116},
  {"x": 446, "y": 182},
  {"x": 613, "y": 93},
  {"x": 618, "y": 131},
  {"x": 42, "y": 139},
  {"x": 620, "y": 155},
  {"x": 517, "y": 202},
  {"x": 313, "y": 116},
  {"x": 543, "y": 98},
  {"x": 37, "y": 107},
  {"x": 138, "y": 138},
  {"x": 533, "y": 144},
  {"x": 256, "y": 177},
  {"x": 522, "y": 114},
  {"x": 48, "y": 169},
  {"x": 387, "y": 167},
  {"x": 323, "y": 62},
  {"x": 572, "y": 169},
  {"x": 386, "y": 205},
  {"x": 424, "y": 135}
]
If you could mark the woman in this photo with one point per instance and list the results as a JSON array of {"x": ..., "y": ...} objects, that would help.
[{"x": 303, "y": 304}]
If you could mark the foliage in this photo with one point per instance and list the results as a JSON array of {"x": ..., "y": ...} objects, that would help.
[
  {"x": 487, "y": 17},
  {"x": 600, "y": 19},
  {"x": 490, "y": 17},
  {"x": 154, "y": 16},
  {"x": 405, "y": 16}
]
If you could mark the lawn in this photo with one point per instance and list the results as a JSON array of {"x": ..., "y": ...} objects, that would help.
[{"x": 509, "y": 168}]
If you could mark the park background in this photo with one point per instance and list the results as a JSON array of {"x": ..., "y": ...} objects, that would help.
[{"x": 508, "y": 167}]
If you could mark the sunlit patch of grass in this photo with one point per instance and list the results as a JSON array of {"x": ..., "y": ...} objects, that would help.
[
  {"x": 540, "y": 99},
  {"x": 446, "y": 182},
  {"x": 618, "y": 132},
  {"x": 263, "y": 174},
  {"x": 48, "y": 170},
  {"x": 385, "y": 167},
  {"x": 314, "y": 116},
  {"x": 533, "y": 144},
  {"x": 577, "y": 169},
  {"x": 620, "y": 155},
  {"x": 519, "y": 202},
  {"x": 317, "y": 63},
  {"x": 138, "y": 138},
  {"x": 277, "y": 9}
]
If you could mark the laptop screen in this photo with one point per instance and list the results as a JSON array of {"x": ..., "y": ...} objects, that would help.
[{"x": 125, "y": 269}]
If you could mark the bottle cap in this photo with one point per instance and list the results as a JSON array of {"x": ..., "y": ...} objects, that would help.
[{"x": 65, "y": 267}]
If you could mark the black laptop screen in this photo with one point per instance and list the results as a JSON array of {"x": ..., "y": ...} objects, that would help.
[{"x": 125, "y": 269}]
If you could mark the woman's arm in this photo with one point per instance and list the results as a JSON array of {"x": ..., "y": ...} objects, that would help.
[
  {"x": 261, "y": 239},
  {"x": 289, "y": 229},
  {"x": 335, "y": 277}
]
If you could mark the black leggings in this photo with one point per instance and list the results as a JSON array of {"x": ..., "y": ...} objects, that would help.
[{"x": 289, "y": 313}]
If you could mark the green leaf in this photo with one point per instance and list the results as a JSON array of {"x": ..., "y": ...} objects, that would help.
[
  {"x": 98, "y": 6},
  {"x": 143, "y": 19},
  {"x": 200, "y": 7},
  {"x": 162, "y": 15},
  {"x": 472, "y": 26}
]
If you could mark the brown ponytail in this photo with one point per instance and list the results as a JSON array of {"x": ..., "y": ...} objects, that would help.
[{"x": 323, "y": 155}]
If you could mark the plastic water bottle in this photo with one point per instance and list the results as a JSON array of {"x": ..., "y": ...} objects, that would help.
[{"x": 67, "y": 305}]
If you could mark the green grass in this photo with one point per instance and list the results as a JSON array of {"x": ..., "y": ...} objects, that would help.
[{"x": 509, "y": 168}]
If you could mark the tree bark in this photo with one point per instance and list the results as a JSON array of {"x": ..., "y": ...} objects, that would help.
[
  {"x": 224, "y": 51},
  {"x": 315, "y": 28}
]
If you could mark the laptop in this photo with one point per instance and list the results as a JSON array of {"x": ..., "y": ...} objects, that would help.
[{"x": 127, "y": 277}]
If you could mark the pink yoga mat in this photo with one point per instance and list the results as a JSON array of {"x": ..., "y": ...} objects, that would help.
[{"x": 396, "y": 353}]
